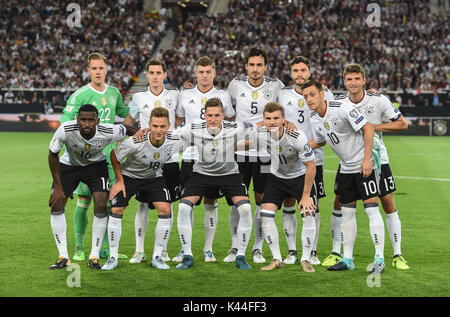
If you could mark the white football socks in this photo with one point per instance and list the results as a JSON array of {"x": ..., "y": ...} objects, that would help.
[
  {"x": 244, "y": 229},
  {"x": 114, "y": 234},
  {"x": 376, "y": 226},
  {"x": 317, "y": 223},
  {"x": 140, "y": 225},
  {"x": 336, "y": 222},
  {"x": 394, "y": 227},
  {"x": 184, "y": 225},
  {"x": 99, "y": 225},
  {"x": 234, "y": 221},
  {"x": 59, "y": 227},
  {"x": 210, "y": 223},
  {"x": 162, "y": 233},
  {"x": 308, "y": 236},
  {"x": 271, "y": 233},
  {"x": 290, "y": 227},
  {"x": 349, "y": 229},
  {"x": 259, "y": 235}
]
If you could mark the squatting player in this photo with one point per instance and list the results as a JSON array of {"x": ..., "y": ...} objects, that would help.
[
  {"x": 138, "y": 166},
  {"x": 292, "y": 175},
  {"x": 341, "y": 128},
  {"x": 215, "y": 169},
  {"x": 108, "y": 101},
  {"x": 84, "y": 160}
]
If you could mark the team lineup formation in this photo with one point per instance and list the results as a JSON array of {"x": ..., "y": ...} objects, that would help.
[{"x": 258, "y": 131}]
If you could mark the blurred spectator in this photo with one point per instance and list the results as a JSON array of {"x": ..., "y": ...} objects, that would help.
[
  {"x": 410, "y": 103},
  {"x": 435, "y": 102},
  {"x": 1, "y": 98},
  {"x": 408, "y": 51},
  {"x": 38, "y": 48},
  {"x": 9, "y": 96}
]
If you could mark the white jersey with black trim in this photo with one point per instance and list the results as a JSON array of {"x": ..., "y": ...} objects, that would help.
[
  {"x": 191, "y": 107},
  {"x": 215, "y": 152},
  {"x": 144, "y": 101},
  {"x": 250, "y": 101},
  {"x": 82, "y": 152},
  {"x": 143, "y": 160},
  {"x": 297, "y": 112},
  {"x": 340, "y": 127},
  {"x": 287, "y": 153},
  {"x": 376, "y": 108}
]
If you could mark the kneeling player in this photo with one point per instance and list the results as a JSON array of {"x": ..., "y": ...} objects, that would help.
[
  {"x": 82, "y": 161},
  {"x": 141, "y": 173},
  {"x": 292, "y": 174}
]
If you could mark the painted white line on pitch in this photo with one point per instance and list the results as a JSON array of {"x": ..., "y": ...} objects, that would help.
[{"x": 409, "y": 177}]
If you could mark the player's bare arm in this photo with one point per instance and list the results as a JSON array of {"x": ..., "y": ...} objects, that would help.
[
  {"x": 57, "y": 195},
  {"x": 119, "y": 185},
  {"x": 366, "y": 165},
  {"x": 314, "y": 145},
  {"x": 306, "y": 203},
  {"x": 397, "y": 125},
  {"x": 290, "y": 127}
]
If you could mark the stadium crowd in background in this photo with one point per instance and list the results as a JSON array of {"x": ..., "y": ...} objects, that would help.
[
  {"x": 39, "y": 49},
  {"x": 408, "y": 51}
]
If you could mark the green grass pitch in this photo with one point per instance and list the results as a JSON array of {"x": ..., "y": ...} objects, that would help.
[{"x": 422, "y": 169}]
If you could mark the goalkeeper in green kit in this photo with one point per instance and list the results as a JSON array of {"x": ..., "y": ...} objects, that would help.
[{"x": 109, "y": 103}]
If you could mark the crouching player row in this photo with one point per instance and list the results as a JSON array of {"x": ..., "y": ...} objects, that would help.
[{"x": 84, "y": 161}]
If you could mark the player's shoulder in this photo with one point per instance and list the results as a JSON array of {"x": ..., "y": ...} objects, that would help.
[
  {"x": 296, "y": 134},
  {"x": 170, "y": 87},
  {"x": 340, "y": 96},
  {"x": 269, "y": 79},
  {"x": 240, "y": 78},
  {"x": 263, "y": 129},
  {"x": 106, "y": 128},
  {"x": 187, "y": 90},
  {"x": 113, "y": 90},
  {"x": 69, "y": 126},
  {"x": 287, "y": 88},
  {"x": 373, "y": 94},
  {"x": 140, "y": 92},
  {"x": 134, "y": 141},
  {"x": 198, "y": 125},
  {"x": 230, "y": 125},
  {"x": 170, "y": 136},
  {"x": 336, "y": 103}
]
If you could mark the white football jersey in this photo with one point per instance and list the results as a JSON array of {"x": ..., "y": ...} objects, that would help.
[
  {"x": 287, "y": 153},
  {"x": 191, "y": 107},
  {"x": 250, "y": 101},
  {"x": 340, "y": 127},
  {"x": 215, "y": 153},
  {"x": 376, "y": 108},
  {"x": 82, "y": 152},
  {"x": 142, "y": 160},
  {"x": 297, "y": 112},
  {"x": 144, "y": 101}
]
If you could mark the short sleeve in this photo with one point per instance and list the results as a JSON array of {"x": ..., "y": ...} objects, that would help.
[
  {"x": 353, "y": 116},
  {"x": 58, "y": 140},
  {"x": 119, "y": 132},
  {"x": 124, "y": 149}
]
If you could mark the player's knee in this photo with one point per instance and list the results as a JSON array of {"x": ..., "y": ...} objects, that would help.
[
  {"x": 84, "y": 198},
  {"x": 164, "y": 210},
  {"x": 388, "y": 203},
  {"x": 100, "y": 207},
  {"x": 209, "y": 201},
  {"x": 289, "y": 202},
  {"x": 117, "y": 210},
  {"x": 258, "y": 197},
  {"x": 57, "y": 212},
  {"x": 244, "y": 208},
  {"x": 337, "y": 204}
]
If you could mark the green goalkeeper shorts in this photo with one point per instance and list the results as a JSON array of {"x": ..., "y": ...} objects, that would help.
[{"x": 83, "y": 189}]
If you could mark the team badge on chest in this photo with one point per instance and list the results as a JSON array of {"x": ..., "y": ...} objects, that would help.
[
  {"x": 157, "y": 103},
  {"x": 254, "y": 95},
  {"x": 104, "y": 101},
  {"x": 156, "y": 156}
]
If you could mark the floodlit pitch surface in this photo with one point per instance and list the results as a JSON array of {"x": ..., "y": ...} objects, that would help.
[{"x": 422, "y": 169}]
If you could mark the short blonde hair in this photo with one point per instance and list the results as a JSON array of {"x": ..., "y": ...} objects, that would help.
[
  {"x": 272, "y": 107},
  {"x": 93, "y": 56}
]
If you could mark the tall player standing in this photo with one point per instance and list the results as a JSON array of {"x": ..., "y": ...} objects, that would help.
[
  {"x": 291, "y": 98},
  {"x": 191, "y": 109},
  {"x": 250, "y": 94},
  {"x": 156, "y": 95},
  {"x": 351, "y": 137},
  {"x": 108, "y": 101},
  {"x": 386, "y": 118}
]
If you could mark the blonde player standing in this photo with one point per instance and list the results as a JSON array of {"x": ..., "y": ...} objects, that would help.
[{"x": 191, "y": 109}]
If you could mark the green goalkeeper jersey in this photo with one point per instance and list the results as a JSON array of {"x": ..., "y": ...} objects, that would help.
[{"x": 109, "y": 103}]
